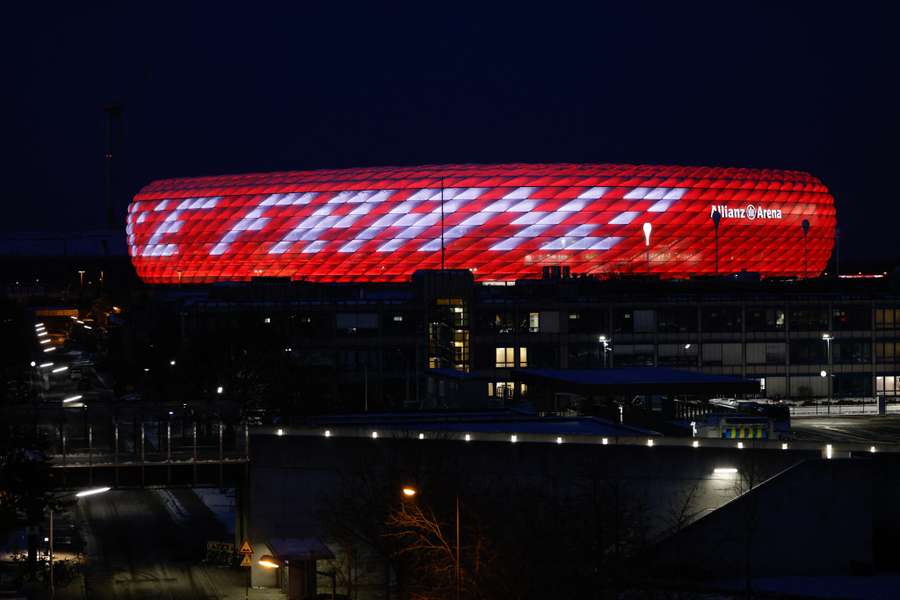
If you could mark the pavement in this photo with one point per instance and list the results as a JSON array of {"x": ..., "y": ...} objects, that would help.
[
  {"x": 144, "y": 544},
  {"x": 852, "y": 429}
]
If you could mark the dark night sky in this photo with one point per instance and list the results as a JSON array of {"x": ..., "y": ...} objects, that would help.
[{"x": 210, "y": 88}]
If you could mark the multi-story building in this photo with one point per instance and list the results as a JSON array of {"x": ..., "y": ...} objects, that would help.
[{"x": 375, "y": 342}]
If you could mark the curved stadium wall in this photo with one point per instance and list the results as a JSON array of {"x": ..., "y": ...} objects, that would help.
[{"x": 502, "y": 222}]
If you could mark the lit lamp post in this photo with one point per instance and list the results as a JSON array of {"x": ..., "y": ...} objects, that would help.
[
  {"x": 409, "y": 492},
  {"x": 81, "y": 494},
  {"x": 647, "y": 229},
  {"x": 716, "y": 217},
  {"x": 268, "y": 561},
  {"x": 827, "y": 337},
  {"x": 604, "y": 347}
]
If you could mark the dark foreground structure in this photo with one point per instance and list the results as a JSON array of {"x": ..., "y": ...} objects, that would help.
[{"x": 550, "y": 513}]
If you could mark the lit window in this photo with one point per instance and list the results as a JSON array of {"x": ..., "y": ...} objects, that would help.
[
  {"x": 534, "y": 322},
  {"x": 502, "y": 390},
  {"x": 505, "y": 358},
  {"x": 398, "y": 318},
  {"x": 523, "y": 357}
]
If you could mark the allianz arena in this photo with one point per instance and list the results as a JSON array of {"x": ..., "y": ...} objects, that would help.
[{"x": 502, "y": 222}]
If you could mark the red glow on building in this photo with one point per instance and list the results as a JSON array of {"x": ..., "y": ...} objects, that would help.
[{"x": 503, "y": 222}]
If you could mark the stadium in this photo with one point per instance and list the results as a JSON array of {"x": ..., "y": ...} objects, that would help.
[{"x": 501, "y": 222}]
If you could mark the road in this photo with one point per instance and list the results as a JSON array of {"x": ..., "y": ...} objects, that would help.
[
  {"x": 854, "y": 429},
  {"x": 139, "y": 548}
]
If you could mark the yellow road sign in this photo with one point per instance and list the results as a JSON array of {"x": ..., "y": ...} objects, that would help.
[
  {"x": 246, "y": 561},
  {"x": 245, "y": 548}
]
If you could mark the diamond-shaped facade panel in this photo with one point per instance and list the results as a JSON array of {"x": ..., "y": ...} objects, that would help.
[{"x": 502, "y": 222}]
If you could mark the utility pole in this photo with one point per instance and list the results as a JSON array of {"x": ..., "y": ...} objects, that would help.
[{"x": 458, "y": 577}]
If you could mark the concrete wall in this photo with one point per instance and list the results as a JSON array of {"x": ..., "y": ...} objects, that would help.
[
  {"x": 816, "y": 518},
  {"x": 293, "y": 477}
]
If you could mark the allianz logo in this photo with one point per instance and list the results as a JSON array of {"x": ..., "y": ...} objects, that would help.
[{"x": 749, "y": 212}]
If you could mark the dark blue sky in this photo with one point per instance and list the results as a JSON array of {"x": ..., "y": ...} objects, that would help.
[{"x": 216, "y": 88}]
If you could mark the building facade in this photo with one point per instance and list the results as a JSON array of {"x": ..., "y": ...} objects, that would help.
[
  {"x": 372, "y": 344},
  {"x": 500, "y": 222}
]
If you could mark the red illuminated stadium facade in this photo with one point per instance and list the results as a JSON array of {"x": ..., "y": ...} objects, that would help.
[{"x": 502, "y": 222}]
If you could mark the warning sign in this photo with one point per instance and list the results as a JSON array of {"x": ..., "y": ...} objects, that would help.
[
  {"x": 246, "y": 562},
  {"x": 245, "y": 548}
]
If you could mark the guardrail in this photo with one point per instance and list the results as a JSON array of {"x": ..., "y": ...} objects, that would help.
[
  {"x": 838, "y": 408},
  {"x": 826, "y": 450}
]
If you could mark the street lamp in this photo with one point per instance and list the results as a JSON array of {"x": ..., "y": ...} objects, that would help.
[
  {"x": 268, "y": 561},
  {"x": 81, "y": 494},
  {"x": 410, "y": 492},
  {"x": 604, "y": 346},
  {"x": 647, "y": 229},
  {"x": 827, "y": 337}
]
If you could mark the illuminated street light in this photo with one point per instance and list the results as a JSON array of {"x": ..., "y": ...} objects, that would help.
[
  {"x": 725, "y": 470},
  {"x": 33, "y": 363},
  {"x": 92, "y": 492},
  {"x": 50, "y": 349},
  {"x": 75, "y": 398},
  {"x": 49, "y": 538},
  {"x": 220, "y": 389},
  {"x": 60, "y": 369},
  {"x": 605, "y": 347},
  {"x": 268, "y": 561},
  {"x": 45, "y": 365},
  {"x": 827, "y": 337},
  {"x": 410, "y": 492},
  {"x": 172, "y": 363},
  {"x": 647, "y": 229}
]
